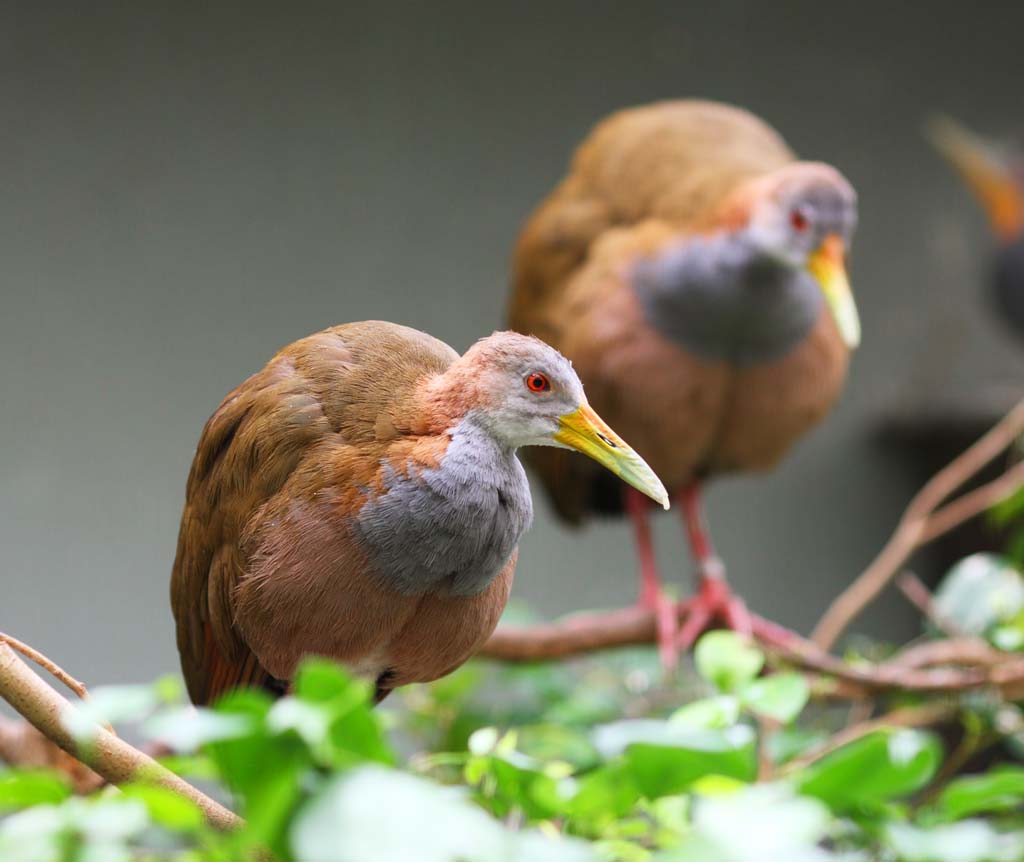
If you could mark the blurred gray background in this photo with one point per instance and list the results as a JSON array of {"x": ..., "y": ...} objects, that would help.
[{"x": 185, "y": 189}]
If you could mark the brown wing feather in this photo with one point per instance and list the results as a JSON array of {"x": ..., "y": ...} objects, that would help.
[
  {"x": 672, "y": 162},
  {"x": 318, "y": 388}
]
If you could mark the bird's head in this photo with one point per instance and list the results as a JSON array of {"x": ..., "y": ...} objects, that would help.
[
  {"x": 804, "y": 216},
  {"x": 995, "y": 174},
  {"x": 523, "y": 392}
]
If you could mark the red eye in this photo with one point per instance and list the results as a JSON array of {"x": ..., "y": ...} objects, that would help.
[
  {"x": 538, "y": 382},
  {"x": 798, "y": 219}
]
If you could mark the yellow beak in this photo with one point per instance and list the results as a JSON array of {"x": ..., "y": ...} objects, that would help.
[
  {"x": 828, "y": 267},
  {"x": 586, "y": 432},
  {"x": 985, "y": 171}
]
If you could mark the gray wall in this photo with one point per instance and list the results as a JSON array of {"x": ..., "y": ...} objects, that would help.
[{"x": 183, "y": 190}]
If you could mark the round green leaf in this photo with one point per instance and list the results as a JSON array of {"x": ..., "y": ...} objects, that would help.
[
  {"x": 727, "y": 660},
  {"x": 781, "y": 697},
  {"x": 883, "y": 765},
  {"x": 22, "y": 788}
]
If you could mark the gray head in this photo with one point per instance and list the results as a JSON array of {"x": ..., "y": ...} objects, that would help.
[
  {"x": 804, "y": 216},
  {"x": 523, "y": 392},
  {"x": 794, "y": 211},
  {"x": 751, "y": 287}
]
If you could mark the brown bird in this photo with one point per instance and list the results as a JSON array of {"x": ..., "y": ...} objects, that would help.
[
  {"x": 360, "y": 498},
  {"x": 996, "y": 176},
  {"x": 693, "y": 272}
]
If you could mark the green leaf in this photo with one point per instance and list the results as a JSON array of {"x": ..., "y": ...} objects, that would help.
[
  {"x": 608, "y": 791},
  {"x": 37, "y": 833},
  {"x": 25, "y": 787},
  {"x": 187, "y": 728},
  {"x": 781, "y": 697},
  {"x": 110, "y": 704},
  {"x": 999, "y": 790},
  {"x": 354, "y": 820},
  {"x": 557, "y": 742},
  {"x": 710, "y": 713},
  {"x": 321, "y": 681},
  {"x": 333, "y": 713},
  {"x": 726, "y": 660},
  {"x": 265, "y": 769},
  {"x": 966, "y": 841},
  {"x": 787, "y": 742},
  {"x": 1005, "y": 512},
  {"x": 523, "y": 785},
  {"x": 765, "y": 822},
  {"x": 311, "y": 721},
  {"x": 883, "y": 765},
  {"x": 165, "y": 806},
  {"x": 980, "y": 591},
  {"x": 665, "y": 758}
]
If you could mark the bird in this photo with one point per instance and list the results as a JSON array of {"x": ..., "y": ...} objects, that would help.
[
  {"x": 996, "y": 177},
  {"x": 693, "y": 270},
  {"x": 360, "y": 498}
]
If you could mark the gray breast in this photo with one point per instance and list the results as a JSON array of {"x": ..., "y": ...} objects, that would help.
[
  {"x": 724, "y": 301},
  {"x": 451, "y": 529}
]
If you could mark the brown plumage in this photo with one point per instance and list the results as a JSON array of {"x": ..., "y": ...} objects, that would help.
[
  {"x": 359, "y": 498},
  {"x": 673, "y": 266}
]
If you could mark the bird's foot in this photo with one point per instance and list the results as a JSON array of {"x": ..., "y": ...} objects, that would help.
[
  {"x": 715, "y": 602},
  {"x": 666, "y": 619}
]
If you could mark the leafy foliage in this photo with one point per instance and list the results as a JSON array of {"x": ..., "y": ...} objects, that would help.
[{"x": 596, "y": 761}]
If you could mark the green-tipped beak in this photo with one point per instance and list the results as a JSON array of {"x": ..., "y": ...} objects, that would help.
[
  {"x": 586, "y": 432},
  {"x": 828, "y": 267}
]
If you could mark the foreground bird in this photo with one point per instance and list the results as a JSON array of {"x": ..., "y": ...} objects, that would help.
[
  {"x": 996, "y": 177},
  {"x": 693, "y": 272},
  {"x": 360, "y": 498}
]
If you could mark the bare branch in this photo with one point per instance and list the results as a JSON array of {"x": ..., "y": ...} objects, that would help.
[
  {"x": 578, "y": 635},
  {"x": 51, "y": 667},
  {"x": 111, "y": 757},
  {"x": 923, "y": 521}
]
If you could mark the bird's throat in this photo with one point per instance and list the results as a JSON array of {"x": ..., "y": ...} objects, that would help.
[
  {"x": 449, "y": 528},
  {"x": 724, "y": 301}
]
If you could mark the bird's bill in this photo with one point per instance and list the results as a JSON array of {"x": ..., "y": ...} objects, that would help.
[
  {"x": 827, "y": 265},
  {"x": 586, "y": 432},
  {"x": 985, "y": 171}
]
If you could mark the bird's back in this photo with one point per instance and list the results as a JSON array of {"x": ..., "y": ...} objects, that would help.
[{"x": 670, "y": 162}]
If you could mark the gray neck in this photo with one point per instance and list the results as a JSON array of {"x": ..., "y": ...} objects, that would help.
[
  {"x": 724, "y": 300},
  {"x": 451, "y": 529}
]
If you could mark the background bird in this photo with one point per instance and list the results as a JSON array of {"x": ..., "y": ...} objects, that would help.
[
  {"x": 360, "y": 498},
  {"x": 693, "y": 271},
  {"x": 996, "y": 176}
]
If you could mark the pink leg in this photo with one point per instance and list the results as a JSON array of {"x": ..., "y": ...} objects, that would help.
[
  {"x": 714, "y": 599},
  {"x": 651, "y": 593}
]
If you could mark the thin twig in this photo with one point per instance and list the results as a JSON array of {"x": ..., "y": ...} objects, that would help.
[
  {"x": 920, "y": 597},
  {"x": 50, "y": 666},
  {"x": 923, "y": 521},
  {"x": 973, "y": 503},
  {"x": 964, "y": 650},
  {"x": 111, "y": 757}
]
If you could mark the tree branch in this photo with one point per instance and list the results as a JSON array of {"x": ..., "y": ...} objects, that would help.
[
  {"x": 111, "y": 757},
  {"x": 632, "y": 626},
  {"x": 923, "y": 521}
]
